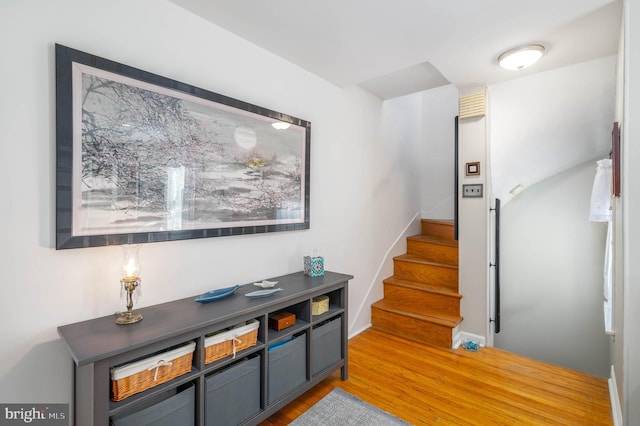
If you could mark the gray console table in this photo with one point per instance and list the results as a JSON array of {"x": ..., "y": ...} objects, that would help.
[{"x": 315, "y": 347}]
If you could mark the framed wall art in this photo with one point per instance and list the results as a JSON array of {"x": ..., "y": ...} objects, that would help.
[
  {"x": 144, "y": 158},
  {"x": 473, "y": 169},
  {"x": 615, "y": 159}
]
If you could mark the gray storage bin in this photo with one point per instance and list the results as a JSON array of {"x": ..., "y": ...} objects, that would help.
[
  {"x": 287, "y": 367},
  {"x": 326, "y": 345},
  {"x": 176, "y": 410},
  {"x": 233, "y": 395}
]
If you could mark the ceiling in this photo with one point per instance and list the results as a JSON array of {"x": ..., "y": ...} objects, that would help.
[{"x": 393, "y": 48}]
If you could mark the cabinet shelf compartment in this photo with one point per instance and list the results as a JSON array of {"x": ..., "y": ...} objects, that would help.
[
  {"x": 332, "y": 312},
  {"x": 138, "y": 376},
  {"x": 275, "y": 336},
  {"x": 336, "y": 304},
  {"x": 301, "y": 310},
  {"x": 221, "y": 363},
  {"x": 233, "y": 394},
  {"x": 326, "y": 345},
  {"x": 287, "y": 367},
  {"x": 117, "y": 408},
  {"x": 319, "y": 305},
  {"x": 229, "y": 342},
  {"x": 175, "y": 406}
]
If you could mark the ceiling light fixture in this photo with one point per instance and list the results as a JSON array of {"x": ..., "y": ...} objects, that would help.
[
  {"x": 281, "y": 125},
  {"x": 521, "y": 57}
]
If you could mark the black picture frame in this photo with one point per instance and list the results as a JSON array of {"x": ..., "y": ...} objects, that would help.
[
  {"x": 473, "y": 169},
  {"x": 128, "y": 141}
]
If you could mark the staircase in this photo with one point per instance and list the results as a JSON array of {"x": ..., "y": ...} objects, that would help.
[{"x": 421, "y": 300}]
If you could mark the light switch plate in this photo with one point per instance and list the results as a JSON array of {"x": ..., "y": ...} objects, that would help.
[{"x": 472, "y": 190}]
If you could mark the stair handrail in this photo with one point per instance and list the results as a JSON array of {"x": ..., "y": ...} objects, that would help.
[
  {"x": 496, "y": 266},
  {"x": 455, "y": 180}
]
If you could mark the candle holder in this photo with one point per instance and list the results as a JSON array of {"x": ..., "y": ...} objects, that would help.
[{"x": 130, "y": 284}]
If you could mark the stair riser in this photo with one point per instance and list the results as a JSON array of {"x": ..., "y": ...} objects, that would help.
[
  {"x": 420, "y": 301},
  {"x": 412, "y": 328},
  {"x": 438, "y": 230},
  {"x": 433, "y": 252},
  {"x": 433, "y": 275}
]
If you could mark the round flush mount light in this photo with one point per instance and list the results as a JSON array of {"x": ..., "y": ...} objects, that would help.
[{"x": 521, "y": 57}]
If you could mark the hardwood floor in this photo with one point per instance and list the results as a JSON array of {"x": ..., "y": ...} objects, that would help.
[{"x": 425, "y": 385}]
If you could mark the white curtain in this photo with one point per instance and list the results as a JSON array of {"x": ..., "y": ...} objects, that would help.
[
  {"x": 608, "y": 282},
  {"x": 601, "y": 212}
]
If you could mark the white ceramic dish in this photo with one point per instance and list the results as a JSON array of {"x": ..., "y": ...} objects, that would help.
[
  {"x": 266, "y": 284},
  {"x": 263, "y": 293}
]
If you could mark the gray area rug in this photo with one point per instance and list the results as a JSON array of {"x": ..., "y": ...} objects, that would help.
[{"x": 341, "y": 408}]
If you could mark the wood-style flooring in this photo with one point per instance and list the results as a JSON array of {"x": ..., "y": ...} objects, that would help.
[{"x": 425, "y": 385}]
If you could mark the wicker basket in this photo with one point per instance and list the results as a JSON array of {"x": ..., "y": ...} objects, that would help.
[
  {"x": 229, "y": 342},
  {"x": 138, "y": 376}
]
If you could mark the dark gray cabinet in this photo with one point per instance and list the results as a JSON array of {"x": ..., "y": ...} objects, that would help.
[{"x": 257, "y": 382}]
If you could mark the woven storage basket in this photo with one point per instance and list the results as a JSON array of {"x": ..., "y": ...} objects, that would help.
[
  {"x": 229, "y": 342},
  {"x": 319, "y": 305},
  {"x": 139, "y": 376}
]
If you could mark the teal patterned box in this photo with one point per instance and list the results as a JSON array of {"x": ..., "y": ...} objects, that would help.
[{"x": 314, "y": 266}]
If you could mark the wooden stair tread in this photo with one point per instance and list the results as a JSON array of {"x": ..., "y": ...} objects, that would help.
[
  {"x": 418, "y": 259},
  {"x": 424, "y": 287},
  {"x": 421, "y": 299},
  {"x": 433, "y": 240},
  {"x": 443, "y": 221},
  {"x": 443, "y": 229},
  {"x": 435, "y": 317}
]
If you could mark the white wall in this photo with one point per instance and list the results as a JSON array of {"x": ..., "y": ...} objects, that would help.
[
  {"x": 364, "y": 178},
  {"x": 617, "y": 353},
  {"x": 549, "y": 122},
  {"x": 552, "y": 261},
  {"x": 401, "y": 129},
  {"x": 473, "y": 225},
  {"x": 439, "y": 108},
  {"x": 630, "y": 301}
]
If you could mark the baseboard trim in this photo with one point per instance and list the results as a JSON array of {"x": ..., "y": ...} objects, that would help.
[
  {"x": 353, "y": 334},
  {"x": 616, "y": 410},
  {"x": 462, "y": 336}
]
